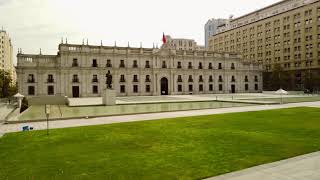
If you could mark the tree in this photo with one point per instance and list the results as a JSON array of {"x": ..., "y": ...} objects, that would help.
[{"x": 7, "y": 88}]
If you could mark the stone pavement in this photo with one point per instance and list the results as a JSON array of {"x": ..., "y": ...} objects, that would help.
[
  {"x": 306, "y": 167},
  {"x": 5, "y": 128}
]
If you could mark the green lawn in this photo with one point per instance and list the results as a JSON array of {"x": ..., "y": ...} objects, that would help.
[{"x": 181, "y": 148}]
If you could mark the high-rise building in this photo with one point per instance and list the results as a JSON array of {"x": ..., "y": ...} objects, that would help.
[
  {"x": 284, "y": 35},
  {"x": 6, "y": 51},
  {"x": 211, "y": 27}
]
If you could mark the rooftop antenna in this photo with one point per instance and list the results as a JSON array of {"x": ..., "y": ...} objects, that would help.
[
  {"x": 101, "y": 43},
  {"x": 115, "y": 43},
  {"x": 40, "y": 52},
  {"x": 128, "y": 44}
]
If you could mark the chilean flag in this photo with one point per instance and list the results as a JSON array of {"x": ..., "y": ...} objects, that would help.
[{"x": 164, "y": 39}]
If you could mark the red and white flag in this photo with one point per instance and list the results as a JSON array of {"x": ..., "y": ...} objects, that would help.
[{"x": 164, "y": 39}]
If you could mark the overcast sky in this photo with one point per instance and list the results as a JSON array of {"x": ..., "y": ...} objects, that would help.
[{"x": 35, "y": 24}]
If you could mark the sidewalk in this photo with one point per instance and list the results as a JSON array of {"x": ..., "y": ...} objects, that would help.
[
  {"x": 5, "y": 128},
  {"x": 305, "y": 167}
]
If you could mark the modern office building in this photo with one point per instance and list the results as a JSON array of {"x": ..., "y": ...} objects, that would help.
[
  {"x": 210, "y": 29},
  {"x": 285, "y": 35},
  {"x": 6, "y": 53},
  {"x": 80, "y": 71}
]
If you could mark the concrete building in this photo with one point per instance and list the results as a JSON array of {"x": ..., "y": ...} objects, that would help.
[
  {"x": 80, "y": 71},
  {"x": 210, "y": 29},
  {"x": 285, "y": 34},
  {"x": 6, "y": 53},
  {"x": 183, "y": 44}
]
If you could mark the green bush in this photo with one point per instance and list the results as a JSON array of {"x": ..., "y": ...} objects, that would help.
[{"x": 24, "y": 105}]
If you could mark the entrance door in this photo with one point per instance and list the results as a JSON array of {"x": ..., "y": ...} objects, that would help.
[
  {"x": 164, "y": 86},
  {"x": 75, "y": 91},
  {"x": 233, "y": 88}
]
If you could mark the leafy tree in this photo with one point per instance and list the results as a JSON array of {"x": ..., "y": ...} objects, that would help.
[{"x": 7, "y": 89}]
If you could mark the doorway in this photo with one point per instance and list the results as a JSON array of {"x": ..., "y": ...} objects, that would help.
[
  {"x": 75, "y": 91},
  {"x": 233, "y": 88},
  {"x": 164, "y": 86}
]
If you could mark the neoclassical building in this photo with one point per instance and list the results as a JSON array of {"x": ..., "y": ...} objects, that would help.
[{"x": 80, "y": 71}]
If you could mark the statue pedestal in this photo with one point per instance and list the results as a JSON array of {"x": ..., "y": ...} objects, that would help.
[{"x": 109, "y": 97}]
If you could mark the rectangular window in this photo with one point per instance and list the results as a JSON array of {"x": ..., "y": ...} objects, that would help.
[
  {"x": 122, "y": 64},
  {"x": 109, "y": 63},
  {"x": 50, "y": 90},
  {"x": 31, "y": 90},
  {"x": 50, "y": 78},
  {"x": 179, "y": 88},
  {"x": 135, "y": 88},
  {"x": 122, "y": 89},
  {"x": 220, "y": 66},
  {"x": 220, "y": 87},
  {"x": 94, "y": 63},
  {"x": 246, "y": 87},
  {"x": 148, "y": 88},
  {"x": 210, "y": 87},
  {"x": 201, "y": 87},
  {"x": 256, "y": 87},
  {"x": 75, "y": 63},
  {"x": 95, "y": 89},
  {"x": 190, "y": 88}
]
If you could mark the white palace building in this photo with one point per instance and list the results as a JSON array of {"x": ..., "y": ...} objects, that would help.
[{"x": 80, "y": 71}]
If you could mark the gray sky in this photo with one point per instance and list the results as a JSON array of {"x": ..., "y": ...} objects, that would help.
[{"x": 35, "y": 24}]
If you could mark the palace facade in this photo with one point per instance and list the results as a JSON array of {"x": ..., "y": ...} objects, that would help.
[{"x": 80, "y": 71}]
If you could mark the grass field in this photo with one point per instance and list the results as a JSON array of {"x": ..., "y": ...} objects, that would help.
[
  {"x": 181, "y": 148},
  {"x": 37, "y": 112}
]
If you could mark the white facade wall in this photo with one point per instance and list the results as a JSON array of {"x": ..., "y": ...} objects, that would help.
[{"x": 60, "y": 67}]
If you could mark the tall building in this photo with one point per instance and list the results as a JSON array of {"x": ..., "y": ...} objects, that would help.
[
  {"x": 284, "y": 35},
  {"x": 210, "y": 28},
  {"x": 80, "y": 71},
  {"x": 6, "y": 51}
]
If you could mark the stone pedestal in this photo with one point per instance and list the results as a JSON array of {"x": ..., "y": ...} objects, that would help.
[{"x": 109, "y": 97}]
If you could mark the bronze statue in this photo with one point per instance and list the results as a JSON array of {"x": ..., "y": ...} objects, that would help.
[{"x": 109, "y": 80}]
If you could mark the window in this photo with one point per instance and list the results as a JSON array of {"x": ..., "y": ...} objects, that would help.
[
  {"x": 210, "y": 78},
  {"x": 200, "y": 78},
  {"x": 220, "y": 66},
  {"x": 135, "y": 88},
  {"x": 255, "y": 78},
  {"x": 50, "y": 90},
  {"x": 210, "y": 66},
  {"x": 190, "y": 79},
  {"x": 147, "y": 64},
  {"x": 190, "y": 88},
  {"x": 75, "y": 62},
  {"x": 95, "y": 78},
  {"x": 179, "y": 65},
  {"x": 95, "y": 89},
  {"x": 210, "y": 87},
  {"x": 122, "y": 89},
  {"x": 220, "y": 79},
  {"x": 190, "y": 65},
  {"x": 179, "y": 78},
  {"x": 148, "y": 88},
  {"x": 246, "y": 87},
  {"x": 246, "y": 79},
  {"x": 109, "y": 63},
  {"x": 122, "y": 79},
  {"x": 233, "y": 79},
  {"x": 122, "y": 64},
  {"x": 179, "y": 88},
  {"x": 220, "y": 87},
  {"x": 148, "y": 78},
  {"x": 200, "y": 65},
  {"x": 50, "y": 78},
  {"x": 135, "y": 78},
  {"x": 164, "y": 65},
  {"x": 135, "y": 64},
  {"x": 31, "y": 78},
  {"x": 201, "y": 87},
  {"x": 75, "y": 78},
  {"x": 31, "y": 90},
  {"x": 94, "y": 63},
  {"x": 232, "y": 66},
  {"x": 256, "y": 87}
]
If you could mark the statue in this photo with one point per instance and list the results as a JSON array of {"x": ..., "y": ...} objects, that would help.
[{"x": 109, "y": 80}]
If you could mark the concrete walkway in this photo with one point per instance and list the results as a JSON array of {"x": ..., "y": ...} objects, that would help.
[
  {"x": 306, "y": 167},
  {"x": 5, "y": 128}
]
